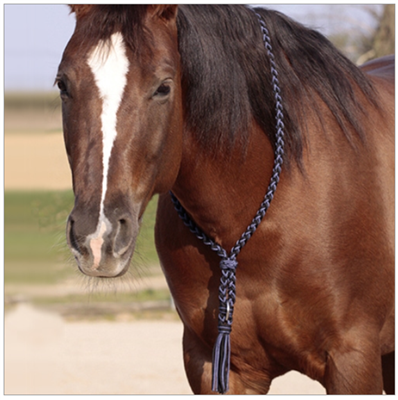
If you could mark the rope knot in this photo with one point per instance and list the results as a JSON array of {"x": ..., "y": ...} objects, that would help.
[
  {"x": 224, "y": 329},
  {"x": 228, "y": 264}
]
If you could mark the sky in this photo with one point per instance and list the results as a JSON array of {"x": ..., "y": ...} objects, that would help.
[
  {"x": 35, "y": 36},
  {"x": 34, "y": 39}
]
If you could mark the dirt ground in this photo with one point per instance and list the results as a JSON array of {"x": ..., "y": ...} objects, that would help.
[
  {"x": 36, "y": 161},
  {"x": 46, "y": 354}
]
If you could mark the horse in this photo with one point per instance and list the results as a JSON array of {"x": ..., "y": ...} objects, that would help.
[{"x": 160, "y": 98}]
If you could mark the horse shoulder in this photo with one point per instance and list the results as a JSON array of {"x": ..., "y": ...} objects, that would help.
[{"x": 186, "y": 264}]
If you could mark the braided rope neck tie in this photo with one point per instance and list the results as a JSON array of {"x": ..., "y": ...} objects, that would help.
[{"x": 228, "y": 263}]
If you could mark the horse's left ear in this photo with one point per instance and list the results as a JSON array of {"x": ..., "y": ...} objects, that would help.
[
  {"x": 80, "y": 9},
  {"x": 164, "y": 11}
]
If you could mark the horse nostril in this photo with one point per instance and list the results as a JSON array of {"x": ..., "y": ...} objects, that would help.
[
  {"x": 123, "y": 237},
  {"x": 72, "y": 237}
]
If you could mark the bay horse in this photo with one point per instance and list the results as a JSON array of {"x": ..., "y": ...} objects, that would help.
[{"x": 178, "y": 98}]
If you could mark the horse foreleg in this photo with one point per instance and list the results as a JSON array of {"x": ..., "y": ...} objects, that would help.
[
  {"x": 197, "y": 362},
  {"x": 388, "y": 364},
  {"x": 354, "y": 367}
]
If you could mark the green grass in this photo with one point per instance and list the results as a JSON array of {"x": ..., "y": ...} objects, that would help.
[
  {"x": 138, "y": 297},
  {"x": 35, "y": 250}
]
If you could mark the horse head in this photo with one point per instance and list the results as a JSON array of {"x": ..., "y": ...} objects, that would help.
[{"x": 119, "y": 80}]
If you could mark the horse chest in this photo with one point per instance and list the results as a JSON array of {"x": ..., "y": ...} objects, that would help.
[
  {"x": 268, "y": 338},
  {"x": 264, "y": 322}
]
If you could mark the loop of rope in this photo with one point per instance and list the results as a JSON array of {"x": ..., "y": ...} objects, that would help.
[{"x": 228, "y": 263}]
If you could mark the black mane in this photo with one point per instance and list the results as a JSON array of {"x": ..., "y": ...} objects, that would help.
[{"x": 226, "y": 75}]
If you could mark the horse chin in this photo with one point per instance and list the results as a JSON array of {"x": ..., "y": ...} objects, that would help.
[{"x": 109, "y": 267}]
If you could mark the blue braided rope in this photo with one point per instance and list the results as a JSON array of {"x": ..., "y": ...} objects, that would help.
[{"x": 228, "y": 263}]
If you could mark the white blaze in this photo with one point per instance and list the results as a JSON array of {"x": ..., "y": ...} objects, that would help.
[{"x": 109, "y": 65}]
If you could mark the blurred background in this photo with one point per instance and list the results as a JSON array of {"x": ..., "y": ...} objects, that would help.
[{"x": 59, "y": 325}]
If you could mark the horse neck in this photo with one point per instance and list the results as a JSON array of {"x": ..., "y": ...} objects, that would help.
[{"x": 223, "y": 192}]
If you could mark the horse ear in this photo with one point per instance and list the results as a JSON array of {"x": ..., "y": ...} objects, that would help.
[
  {"x": 80, "y": 9},
  {"x": 164, "y": 11}
]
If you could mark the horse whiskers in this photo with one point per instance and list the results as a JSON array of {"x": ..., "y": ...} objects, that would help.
[{"x": 131, "y": 282}]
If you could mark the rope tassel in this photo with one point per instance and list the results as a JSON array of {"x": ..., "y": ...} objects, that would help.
[
  {"x": 221, "y": 361},
  {"x": 222, "y": 347}
]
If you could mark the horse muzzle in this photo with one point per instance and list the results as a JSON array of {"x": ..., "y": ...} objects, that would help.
[{"x": 105, "y": 252}]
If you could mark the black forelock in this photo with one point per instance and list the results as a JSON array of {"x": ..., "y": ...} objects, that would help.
[{"x": 104, "y": 20}]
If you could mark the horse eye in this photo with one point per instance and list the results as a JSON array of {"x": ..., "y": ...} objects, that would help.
[
  {"x": 62, "y": 87},
  {"x": 163, "y": 90}
]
